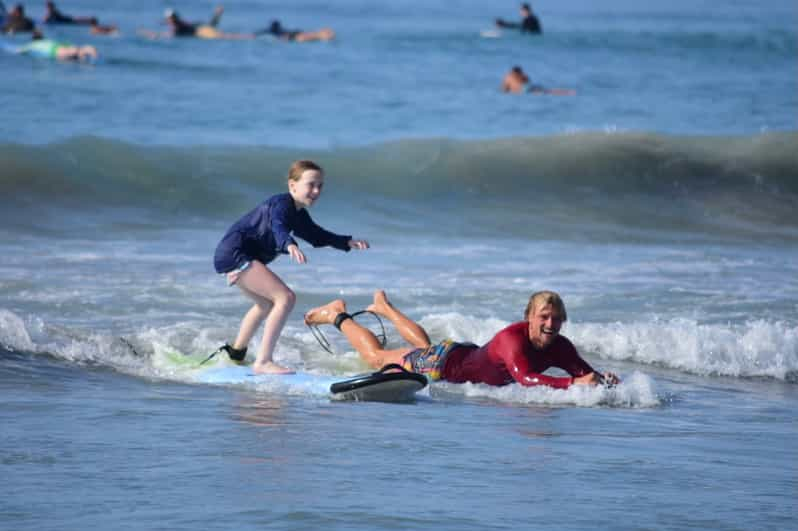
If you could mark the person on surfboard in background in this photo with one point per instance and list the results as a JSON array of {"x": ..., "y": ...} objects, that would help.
[
  {"x": 53, "y": 16},
  {"x": 50, "y": 49},
  {"x": 178, "y": 27},
  {"x": 529, "y": 22},
  {"x": 516, "y": 80},
  {"x": 255, "y": 240},
  {"x": 95, "y": 28},
  {"x": 277, "y": 30},
  {"x": 519, "y": 353},
  {"x": 16, "y": 21}
]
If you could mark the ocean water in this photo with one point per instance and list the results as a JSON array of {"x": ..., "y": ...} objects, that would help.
[{"x": 660, "y": 201}]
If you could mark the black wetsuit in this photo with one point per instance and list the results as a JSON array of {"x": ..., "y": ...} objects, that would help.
[
  {"x": 183, "y": 28},
  {"x": 530, "y": 24},
  {"x": 17, "y": 24},
  {"x": 276, "y": 29},
  {"x": 56, "y": 17},
  {"x": 187, "y": 29}
]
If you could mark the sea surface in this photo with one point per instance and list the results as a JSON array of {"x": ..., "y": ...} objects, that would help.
[{"x": 661, "y": 202}]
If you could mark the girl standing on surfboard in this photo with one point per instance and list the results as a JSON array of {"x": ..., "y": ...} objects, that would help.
[{"x": 255, "y": 240}]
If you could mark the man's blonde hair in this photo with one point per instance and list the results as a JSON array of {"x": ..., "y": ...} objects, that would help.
[
  {"x": 544, "y": 298},
  {"x": 299, "y": 167}
]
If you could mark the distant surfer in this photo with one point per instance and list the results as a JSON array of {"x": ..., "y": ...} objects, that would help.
[
  {"x": 53, "y": 16},
  {"x": 519, "y": 353},
  {"x": 529, "y": 21},
  {"x": 95, "y": 28},
  {"x": 50, "y": 49},
  {"x": 277, "y": 30},
  {"x": 179, "y": 27},
  {"x": 516, "y": 81},
  {"x": 258, "y": 238},
  {"x": 16, "y": 21}
]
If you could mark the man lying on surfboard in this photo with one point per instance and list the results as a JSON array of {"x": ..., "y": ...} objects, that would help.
[
  {"x": 277, "y": 31},
  {"x": 519, "y": 353}
]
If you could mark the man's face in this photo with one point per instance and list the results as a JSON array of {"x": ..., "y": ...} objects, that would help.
[{"x": 544, "y": 326}]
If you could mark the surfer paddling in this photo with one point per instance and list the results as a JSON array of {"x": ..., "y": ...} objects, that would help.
[
  {"x": 516, "y": 81},
  {"x": 529, "y": 21},
  {"x": 258, "y": 238},
  {"x": 519, "y": 353}
]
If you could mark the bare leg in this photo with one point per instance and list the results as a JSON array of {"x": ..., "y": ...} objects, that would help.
[
  {"x": 324, "y": 34},
  {"x": 252, "y": 320},
  {"x": 361, "y": 338},
  {"x": 410, "y": 330},
  {"x": 217, "y": 16},
  {"x": 76, "y": 53},
  {"x": 88, "y": 52},
  {"x": 273, "y": 302}
]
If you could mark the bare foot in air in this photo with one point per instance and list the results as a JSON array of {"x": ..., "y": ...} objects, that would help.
[
  {"x": 325, "y": 314},
  {"x": 270, "y": 368},
  {"x": 381, "y": 305}
]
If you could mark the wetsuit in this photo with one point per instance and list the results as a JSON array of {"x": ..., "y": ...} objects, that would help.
[
  {"x": 265, "y": 232},
  {"x": 54, "y": 16},
  {"x": 187, "y": 29},
  {"x": 277, "y": 30},
  {"x": 183, "y": 28},
  {"x": 510, "y": 356},
  {"x": 529, "y": 24},
  {"x": 17, "y": 24}
]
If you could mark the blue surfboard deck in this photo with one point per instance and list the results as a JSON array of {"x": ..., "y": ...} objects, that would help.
[
  {"x": 310, "y": 384},
  {"x": 243, "y": 375}
]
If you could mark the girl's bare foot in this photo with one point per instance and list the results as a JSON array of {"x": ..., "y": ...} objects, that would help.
[
  {"x": 325, "y": 314},
  {"x": 381, "y": 305},
  {"x": 270, "y": 368}
]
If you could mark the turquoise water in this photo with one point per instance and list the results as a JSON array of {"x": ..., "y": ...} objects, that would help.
[{"x": 659, "y": 201}]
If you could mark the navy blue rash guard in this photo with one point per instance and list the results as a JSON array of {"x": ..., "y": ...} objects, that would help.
[{"x": 265, "y": 232}]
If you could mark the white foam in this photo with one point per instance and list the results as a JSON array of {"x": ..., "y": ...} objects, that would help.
[
  {"x": 754, "y": 348},
  {"x": 462, "y": 328},
  {"x": 13, "y": 332},
  {"x": 636, "y": 391}
]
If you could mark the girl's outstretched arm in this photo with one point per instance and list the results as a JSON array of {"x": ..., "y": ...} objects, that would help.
[{"x": 317, "y": 236}]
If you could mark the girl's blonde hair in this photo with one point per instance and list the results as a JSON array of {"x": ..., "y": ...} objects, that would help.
[
  {"x": 544, "y": 298},
  {"x": 299, "y": 167}
]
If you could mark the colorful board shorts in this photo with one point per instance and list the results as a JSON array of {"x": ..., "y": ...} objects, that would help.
[
  {"x": 42, "y": 48},
  {"x": 429, "y": 361}
]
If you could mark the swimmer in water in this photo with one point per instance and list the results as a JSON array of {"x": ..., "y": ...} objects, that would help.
[{"x": 516, "y": 81}]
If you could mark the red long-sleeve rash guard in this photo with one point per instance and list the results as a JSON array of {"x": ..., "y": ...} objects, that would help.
[{"x": 510, "y": 356}]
